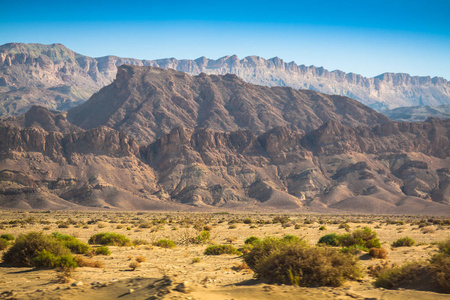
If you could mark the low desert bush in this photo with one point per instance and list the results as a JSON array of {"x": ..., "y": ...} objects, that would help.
[
  {"x": 35, "y": 250},
  {"x": 7, "y": 236},
  {"x": 110, "y": 239},
  {"x": 444, "y": 246},
  {"x": 72, "y": 243},
  {"x": 195, "y": 260},
  {"x": 433, "y": 273},
  {"x": 331, "y": 239},
  {"x": 134, "y": 265},
  {"x": 140, "y": 259},
  {"x": 265, "y": 247},
  {"x": 138, "y": 242},
  {"x": 252, "y": 240},
  {"x": 403, "y": 242},
  {"x": 296, "y": 263},
  {"x": 221, "y": 249},
  {"x": 202, "y": 238},
  {"x": 85, "y": 262},
  {"x": 3, "y": 244},
  {"x": 102, "y": 250},
  {"x": 364, "y": 238},
  {"x": 164, "y": 243},
  {"x": 378, "y": 253}
]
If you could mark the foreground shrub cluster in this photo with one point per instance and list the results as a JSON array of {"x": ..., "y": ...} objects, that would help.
[
  {"x": 435, "y": 273},
  {"x": 38, "y": 250},
  {"x": 292, "y": 261}
]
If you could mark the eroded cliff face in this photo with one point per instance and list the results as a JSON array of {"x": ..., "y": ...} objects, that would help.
[
  {"x": 146, "y": 102},
  {"x": 58, "y": 78},
  {"x": 390, "y": 168}
]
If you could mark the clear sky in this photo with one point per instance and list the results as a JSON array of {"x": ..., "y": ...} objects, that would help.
[{"x": 367, "y": 37}]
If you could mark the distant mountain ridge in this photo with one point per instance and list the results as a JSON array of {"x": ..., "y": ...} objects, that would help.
[{"x": 59, "y": 78}]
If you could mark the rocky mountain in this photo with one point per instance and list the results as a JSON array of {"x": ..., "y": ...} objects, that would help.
[
  {"x": 146, "y": 102},
  {"x": 388, "y": 168},
  {"x": 58, "y": 78},
  {"x": 418, "y": 113},
  {"x": 163, "y": 139}
]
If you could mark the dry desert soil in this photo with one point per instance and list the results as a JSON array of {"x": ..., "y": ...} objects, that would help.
[{"x": 184, "y": 272}]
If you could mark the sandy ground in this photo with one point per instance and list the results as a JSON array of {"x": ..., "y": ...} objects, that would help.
[{"x": 213, "y": 277}]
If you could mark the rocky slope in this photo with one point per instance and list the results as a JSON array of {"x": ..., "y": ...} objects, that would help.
[
  {"x": 146, "y": 102},
  {"x": 418, "y": 113},
  {"x": 389, "y": 168},
  {"x": 58, "y": 78}
]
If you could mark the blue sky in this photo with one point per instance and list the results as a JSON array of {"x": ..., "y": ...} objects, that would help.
[{"x": 365, "y": 37}]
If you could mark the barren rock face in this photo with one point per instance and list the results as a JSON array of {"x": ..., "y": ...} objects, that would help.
[
  {"x": 390, "y": 168},
  {"x": 162, "y": 139},
  {"x": 147, "y": 102},
  {"x": 58, "y": 78}
]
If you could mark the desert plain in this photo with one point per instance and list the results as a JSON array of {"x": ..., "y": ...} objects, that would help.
[{"x": 185, "y": 272}]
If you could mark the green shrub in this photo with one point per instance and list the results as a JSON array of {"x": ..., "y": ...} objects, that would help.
[
  {"x": 110, "y": 239},
  {"x": 364, "y": 238},
  {"x": 395, "y": 277},
  {"x": 434, "y": 273},
  {"x": 289, "y": 238},
  {"x": 3, "y": 244},
  {"x": 202, "y": 238},
  {"x": 28, "y": 246},
  {"x": 444, "y": 246},
  {"x": 7, "y": 236},
  {"x": 164, "y": 243},
  {"x": 102, "y": 250},
  {"x": 331, "y": 239},
  {"x": 297, "y": 264},
  {"x": 354, "y": 249},
  {"x": 221, "y": 249},
  {"x": 252, "y": 240},
  {"x": 266, "y": 247},
  {"x": 72, "y": 243},
  {"x": 322, "y": 228},
  {"x": 403, "y": 242}
]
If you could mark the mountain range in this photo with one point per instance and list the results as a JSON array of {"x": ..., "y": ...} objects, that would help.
[
  {"x": 164, "y": 139},
  {"x": 58, "y": 78}
]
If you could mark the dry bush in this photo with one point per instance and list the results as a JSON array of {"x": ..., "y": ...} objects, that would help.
[
  {"x": 3, "y": 244},
  {"x": 231, "y": 239},
  {"x": 110, "y": 239},
  {"x": 241, "y": 267},
  {"x": 378, "y": 253},
  {"x": 375, "y": 270},
  {"x": 434, "y": 273},
  {"x": 134, "y": 265},
  {"x": 140, "y": 259},
  {"x": 297, "y": 264},
  {"x": 85, "y": 262},
  {"x": 195, "y": 260},
  {"x": 427, "y": 230},
  {"x": 36, "y": 250},
  {"x": 221, "y": 249},
  {"x": 164, "y": 243},
  {"x": 404, "y": 242}
]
